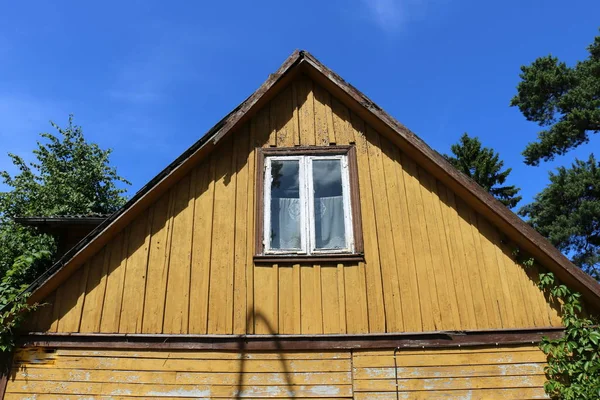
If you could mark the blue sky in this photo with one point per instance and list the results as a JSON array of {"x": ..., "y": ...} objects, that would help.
[{"x": 148, "y": 78}]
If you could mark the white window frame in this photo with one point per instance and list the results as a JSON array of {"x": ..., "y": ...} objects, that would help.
[{"x": 306, "y": 189}]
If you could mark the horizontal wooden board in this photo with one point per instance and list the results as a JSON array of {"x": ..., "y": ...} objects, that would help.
[
  {"x": 488, "y": 394},
  {"x": 201, "y": 391},
  {"x": 187, "y": 378},
  {"x": 425, "y": 360},
  {"x": 160, "y": 364},
  {"x": 450, "y": 371},
  {"x": 425, "y": 384},
  {"x": 30, "y": 354},
  {"x": 21, "y": 396}
]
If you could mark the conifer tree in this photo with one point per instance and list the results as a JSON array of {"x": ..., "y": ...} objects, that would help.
[{"x": 483, "y": 165}]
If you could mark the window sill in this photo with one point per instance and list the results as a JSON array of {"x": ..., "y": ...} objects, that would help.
[{"x": 315, "y": 259}]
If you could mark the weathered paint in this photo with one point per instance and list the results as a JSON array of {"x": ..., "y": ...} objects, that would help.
[
  {"x": 66, "y": 373},
  {"x": 514, "y": 372},
  {"x": 474, "y": 373},
  {"x": 185, "y": 265}
]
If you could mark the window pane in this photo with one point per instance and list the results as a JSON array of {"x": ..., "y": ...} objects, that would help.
[
  {"x": 285, "y": 205},
  {"x": 329, "y": 205}
]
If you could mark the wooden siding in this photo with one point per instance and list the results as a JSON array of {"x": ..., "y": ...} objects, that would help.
[
  {"x": 486, "y": 373},
  {"x": 471, "y": 373},
  {"x": 185, "y": 265},
  {"x": 75, "y": 374}
]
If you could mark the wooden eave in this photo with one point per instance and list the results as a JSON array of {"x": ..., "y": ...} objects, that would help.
[{"x": 301, "y": 62}]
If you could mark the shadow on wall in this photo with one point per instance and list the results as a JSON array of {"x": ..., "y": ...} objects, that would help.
[{"x": 241, "y": 392}]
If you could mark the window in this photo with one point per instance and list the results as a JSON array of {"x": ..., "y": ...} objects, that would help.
[{"x": 308, "y": 203}]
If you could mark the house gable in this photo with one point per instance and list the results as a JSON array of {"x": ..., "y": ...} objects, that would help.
[{"x": 185, "y": 264}]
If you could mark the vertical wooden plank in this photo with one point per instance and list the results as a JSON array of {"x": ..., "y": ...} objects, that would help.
[
  {"x": 95, "y": 291},
  {"x": 311, "y": 308},
  {"x": 520, "y": 284},
  {"x": 220, "y": 306},
  {"x": 241, "y": 143},
  {"x": 371, "y": 267},
  {"x": 262, "y": 128},
  {"x": 342, "y": 302},
  {"x": 329, "y": 114},
  {"x": 297, "y": 299},
  {"x": 402, "y": 237},
  {"x": 358, "y": 312},
  {"x": 178, "y": 281},
  {"x": 283, "y": 116},
  {"x": 288, "y": 309},
  {"x": 306, "y": 104},
  {"x": 537, "y": 299},
  {"x": 430, "y": 311},
  {"x": 443, "y": 284},
  {"x": 473, "y": 266},
  {"x": 201, "y": 252},
  {"x": 266, "y": 297},
  {"x": 250, "y": 226},
  {"x": 457, "y": 257},
  {"x": 55, "y": 312},
  {"x": 387, "y": 256},
  {"x": 111, "y": 312},
  {"x": 158, "y": 264},
  {"x": 514, "y": 318},
  {"x": 295, "y": 114},
  {"x": 499, "y": 282},
  {"x": 322, "y": 113},
  {"x": 489, "y": 295},
  {"x": 132, "y": 306},
  {"x": 72, "y": 294},
  {"x": 44, "y": 321},
  {"x": 509, "y": 270},
  {"x": 331, "y": 299},
  {"x": 341, "y": 123}
]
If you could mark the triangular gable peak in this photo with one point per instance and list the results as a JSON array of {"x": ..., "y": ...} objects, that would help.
[{"x": 131, "y": 283}]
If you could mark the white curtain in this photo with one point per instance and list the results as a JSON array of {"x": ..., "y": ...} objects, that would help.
[
  {"x": 285, "y": 223},
  {"x": 329, "y": 223}
]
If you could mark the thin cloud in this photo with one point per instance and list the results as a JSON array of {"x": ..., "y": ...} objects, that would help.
[{"x": 393, "y": 15}]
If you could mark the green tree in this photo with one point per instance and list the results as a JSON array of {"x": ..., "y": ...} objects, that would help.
[
  {"x": 564, "y": 99},
  {"x": 68, "y": 176},
  {"x": 567, "y": 212},
  {"x": 483, "y": 165}
]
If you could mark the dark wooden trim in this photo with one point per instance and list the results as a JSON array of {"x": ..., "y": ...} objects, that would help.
[
  {"x": 350, "y": 152},
  {"x": 316, "y": 259},
  {"x": 259, "y": 201},
  {"x": 292, "y": 342},
  {"x": 5, "y": 368},
  {"x": 305, "y": 150},
  {"x": 359, "y": 246}
]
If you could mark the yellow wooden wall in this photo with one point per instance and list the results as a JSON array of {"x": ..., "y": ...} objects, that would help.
[
  {"x": 185, "y": 264},
  {"x": 514, "y": 372},
  {"x": 52, "y": 374}
]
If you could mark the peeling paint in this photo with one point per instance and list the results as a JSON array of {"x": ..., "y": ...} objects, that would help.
[
  {"x": 328, "y": 390},
  {"x": 120, "y": 392},
  {"x": 198, "y": 394}
]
